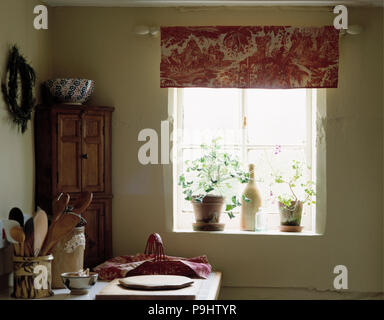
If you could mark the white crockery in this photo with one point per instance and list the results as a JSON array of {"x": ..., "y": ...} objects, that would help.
[
  {"x": 8, "y": 225},
  {"x": 79, "y": 284}
]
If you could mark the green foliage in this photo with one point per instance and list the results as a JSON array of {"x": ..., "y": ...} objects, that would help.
[
  {"x": 19, "y": 72},
  {"x": 296, "y": 184},
  {"x": 213, "y": 173}
]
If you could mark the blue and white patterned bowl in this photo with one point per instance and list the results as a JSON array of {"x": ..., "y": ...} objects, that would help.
[{"x": 72, "y": 91}]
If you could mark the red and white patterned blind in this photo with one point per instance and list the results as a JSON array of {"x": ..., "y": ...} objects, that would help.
[{"x": 249, "y": 57}]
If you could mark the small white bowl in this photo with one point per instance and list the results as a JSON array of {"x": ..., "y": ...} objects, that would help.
[{"x": 79, "y": 284}]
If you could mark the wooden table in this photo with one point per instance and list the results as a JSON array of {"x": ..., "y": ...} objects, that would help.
[
  {"x": 207, "y": 289},
  {"x": 201, "y": 289}
]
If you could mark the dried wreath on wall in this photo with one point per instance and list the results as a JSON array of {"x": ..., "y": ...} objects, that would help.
[{"x": 19, "y": 72}]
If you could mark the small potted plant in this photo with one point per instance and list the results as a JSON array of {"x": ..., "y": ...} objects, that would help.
[
  {"x": 208, "y": 182},
  {"x": 300, "y": 192}
]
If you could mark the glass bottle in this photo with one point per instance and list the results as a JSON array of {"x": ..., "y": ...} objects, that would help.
[{"x": 261, "y": 220}]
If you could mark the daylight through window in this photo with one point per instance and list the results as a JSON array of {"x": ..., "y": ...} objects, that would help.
[{"x": 265, "y": 127}]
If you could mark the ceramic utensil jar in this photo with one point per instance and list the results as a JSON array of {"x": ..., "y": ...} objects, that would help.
[
  {"x": 69, "y": 256},
  {"x": 32, "y": 277}
]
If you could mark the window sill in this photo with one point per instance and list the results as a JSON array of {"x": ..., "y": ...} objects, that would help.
[{"x": 254, "y": 233}]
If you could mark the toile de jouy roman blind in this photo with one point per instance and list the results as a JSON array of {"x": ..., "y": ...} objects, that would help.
[{"x": 249, "y": 57}]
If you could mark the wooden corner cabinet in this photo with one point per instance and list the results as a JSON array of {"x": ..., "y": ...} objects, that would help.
[{"x": 72, "y": 155}]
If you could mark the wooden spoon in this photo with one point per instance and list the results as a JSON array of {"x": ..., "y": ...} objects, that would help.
[
  {"x": 17, "y": 215},
  {"x": 40, "y": 228},
  {"x": 59, "y": 205},
  {"x": 18, "y": 234},
  {"x": 59, "y": 229},
  {"x": 8, "y": 225},
  {"x": 83, "y": 202},
  {"x": 29, "y": 234}
]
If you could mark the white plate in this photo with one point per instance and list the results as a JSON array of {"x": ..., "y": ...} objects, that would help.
[{"x": 156, "y": 282}]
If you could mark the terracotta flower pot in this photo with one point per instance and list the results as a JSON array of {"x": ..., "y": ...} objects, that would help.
[
  {"x": 209, "y": 210},
  {"x": 291, "y": 217}
]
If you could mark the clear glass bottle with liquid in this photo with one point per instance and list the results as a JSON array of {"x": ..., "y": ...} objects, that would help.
[{"x": 261, "y": 220}]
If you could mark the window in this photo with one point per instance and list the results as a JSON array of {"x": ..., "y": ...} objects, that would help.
[{"x": 266, "y": 127}]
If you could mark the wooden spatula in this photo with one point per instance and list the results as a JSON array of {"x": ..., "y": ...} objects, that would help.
[
  {"x": 59, "y": 229},
  {"x": 18, "y": 234},
  {"x": 40, "y": 229},
  {"x": 29, "y": 234},
  {"x": 59, "y": 205}
]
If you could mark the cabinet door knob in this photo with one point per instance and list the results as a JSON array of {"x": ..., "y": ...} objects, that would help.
[{"x": 84, "y": 156}]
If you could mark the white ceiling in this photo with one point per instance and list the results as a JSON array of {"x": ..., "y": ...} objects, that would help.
[{"x": 168, "y": 3}]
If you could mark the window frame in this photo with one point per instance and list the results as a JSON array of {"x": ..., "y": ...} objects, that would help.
[{"x": 175, "y": 111}]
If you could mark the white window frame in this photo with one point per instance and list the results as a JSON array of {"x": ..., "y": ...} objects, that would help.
[{"x": 175, "y": 108}]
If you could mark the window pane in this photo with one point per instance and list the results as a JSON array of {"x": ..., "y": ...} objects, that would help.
[
  {"x": 267, "y": 161},
  {"x": 209, "y": 113},
  {"x": 188, "y": 154},
  {"x": 192, "y": 154},
  {"x": 276, "y": 116}
]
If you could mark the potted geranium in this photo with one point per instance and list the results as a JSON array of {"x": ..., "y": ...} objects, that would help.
[
  {"x": 208, "y": 182},
  {"x": 300, "y": 192}
]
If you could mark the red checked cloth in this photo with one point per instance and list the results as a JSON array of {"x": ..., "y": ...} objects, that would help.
[{"x": 151, "y": 263}]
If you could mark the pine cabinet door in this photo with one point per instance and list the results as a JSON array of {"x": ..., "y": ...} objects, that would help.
[
  {"x": 93, "y": 152},
  {"x": 94, "y": 248},
  {"x": 68, "y": 152}
]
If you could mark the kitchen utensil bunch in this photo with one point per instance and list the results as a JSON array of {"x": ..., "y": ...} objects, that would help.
[{"x": 35, "y": 238}]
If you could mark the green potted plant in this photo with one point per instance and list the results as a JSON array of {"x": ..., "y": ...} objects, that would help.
[
  {"x": 300, "y": 192},
  {"x": 208, "y": 182}
]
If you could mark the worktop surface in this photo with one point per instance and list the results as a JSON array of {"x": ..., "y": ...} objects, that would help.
[{"x": 209, "y": 290}]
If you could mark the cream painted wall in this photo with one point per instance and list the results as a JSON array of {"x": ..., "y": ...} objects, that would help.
[
  {"x": 17, "y": 157},
  {"x": 97, "y": 43}
]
